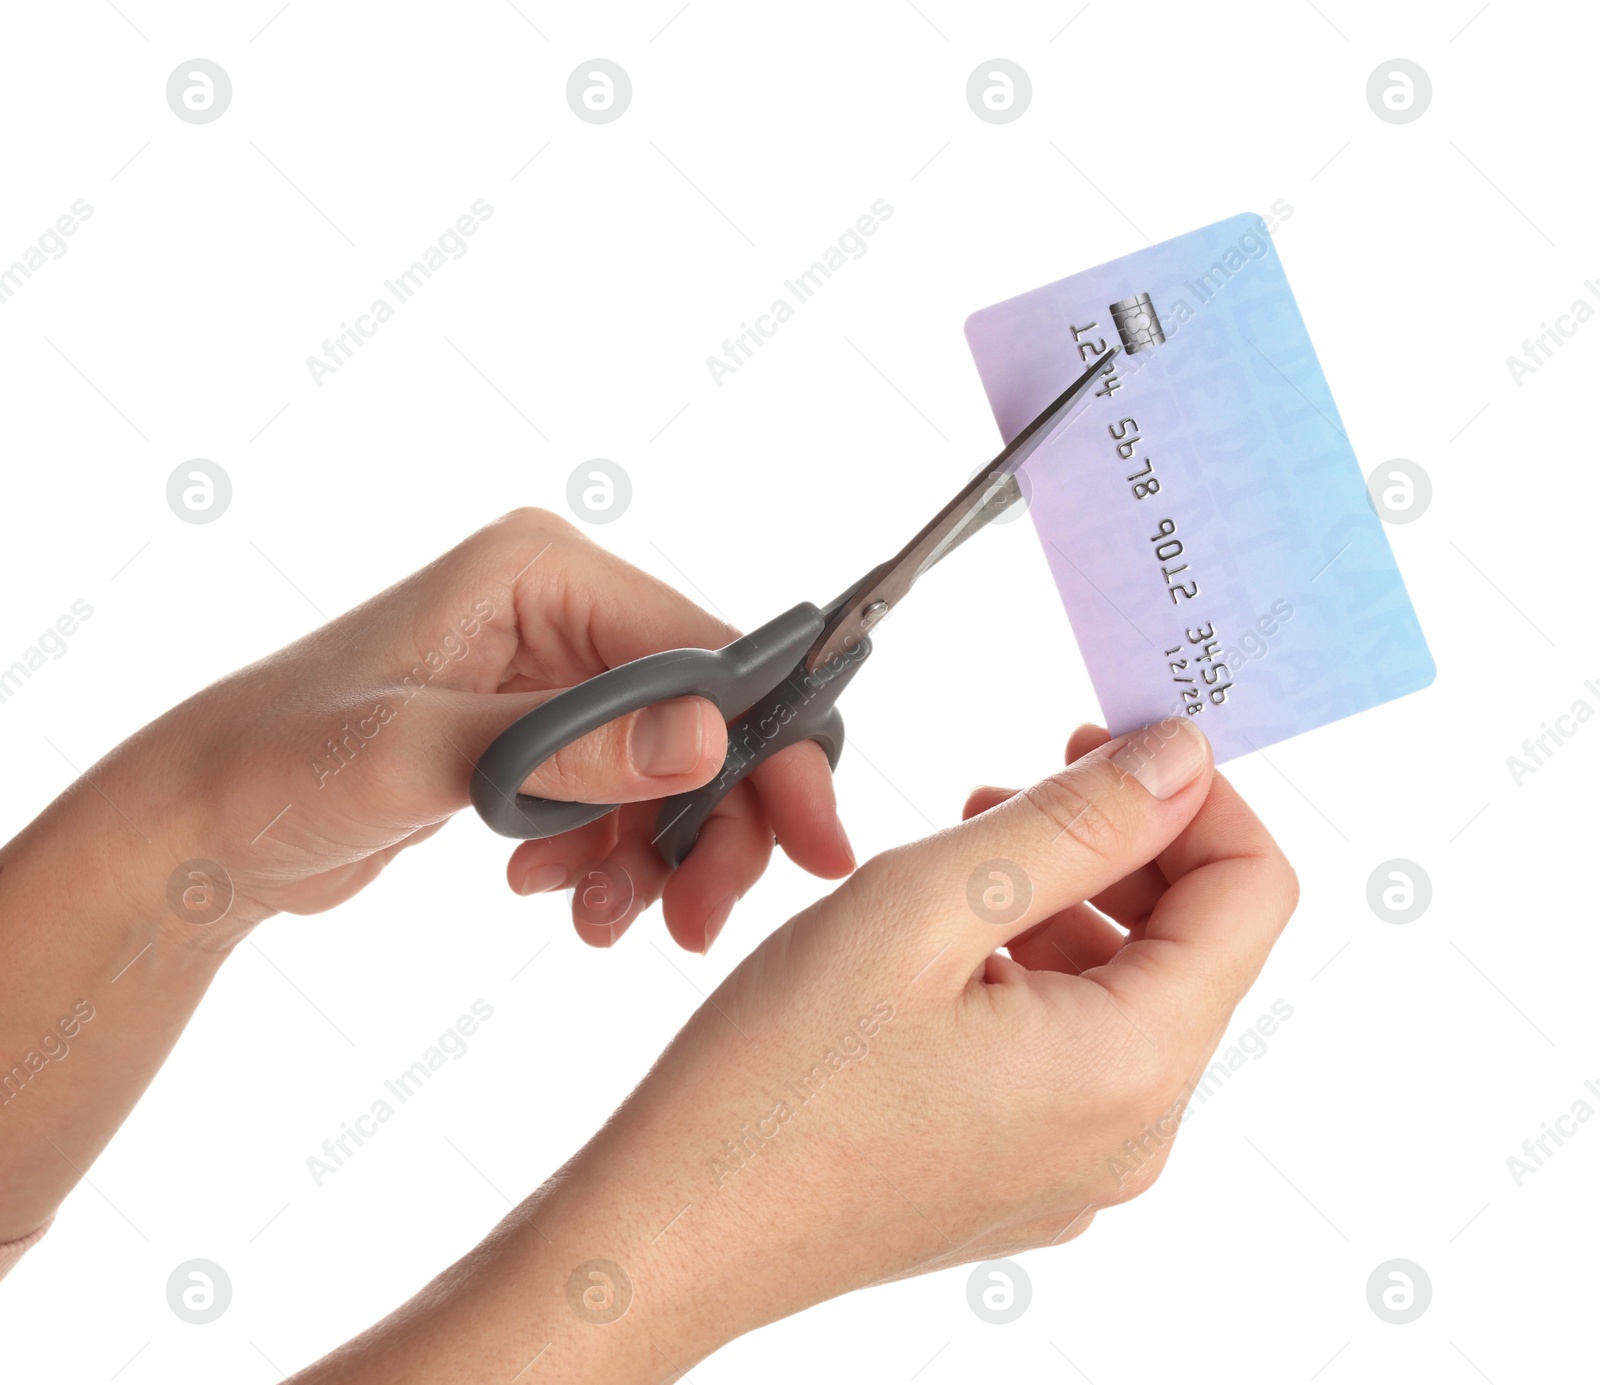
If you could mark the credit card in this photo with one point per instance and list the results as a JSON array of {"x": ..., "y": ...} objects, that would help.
[{"x": 1204, "y": 515}]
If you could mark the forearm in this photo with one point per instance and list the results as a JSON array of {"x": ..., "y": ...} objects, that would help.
[
  {"x": 628, "y": 1267},
  {"x": 661, "y": 1240},
  {"x": 100, "y": 975},
  {"x": 568, "y": 1287}
]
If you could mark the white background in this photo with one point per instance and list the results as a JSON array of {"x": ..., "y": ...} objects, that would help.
[{"x": 1378, "y": 1122}]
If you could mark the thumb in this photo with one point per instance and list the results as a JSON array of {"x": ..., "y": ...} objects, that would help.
[
  {"x": 658, "y": 751},
  {"x": 1063, "y": 841}
]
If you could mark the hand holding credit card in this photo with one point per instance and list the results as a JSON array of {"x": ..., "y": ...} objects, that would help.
[{"x": 1204, "y": 515}]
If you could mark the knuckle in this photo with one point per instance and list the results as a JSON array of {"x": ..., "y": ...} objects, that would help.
[
  {"x": 521, "y": 533},
  {"x": 1136, "y": 1171},
  {"x": 575, "y": 771},
  {"x": 890, "y": 901},
  {"x": 1275, "y": 886},
  {"x": 1085, "y": 809},
  {"x": 532, "y": 520},
  {"x": 887, "y": 886},
  {"x": 1289, "y": 880},
  {"x": 1143, "y": 1136},
  {"x": 1154, "y": 1077}
]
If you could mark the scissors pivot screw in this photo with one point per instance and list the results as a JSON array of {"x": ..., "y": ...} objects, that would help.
[{"x": 874, "y": 612}]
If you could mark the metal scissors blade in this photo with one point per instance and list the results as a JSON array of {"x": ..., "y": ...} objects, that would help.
[{"x": 988, "y": 494}]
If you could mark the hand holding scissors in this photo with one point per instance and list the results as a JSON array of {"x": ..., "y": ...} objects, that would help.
[{"x": 776, "y": 686}]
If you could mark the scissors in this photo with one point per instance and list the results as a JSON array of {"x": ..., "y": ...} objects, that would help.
[{"x": 775, "y": 687}]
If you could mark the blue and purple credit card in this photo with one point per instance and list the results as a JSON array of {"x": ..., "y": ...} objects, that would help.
[{"x": 1204, "y": 514}]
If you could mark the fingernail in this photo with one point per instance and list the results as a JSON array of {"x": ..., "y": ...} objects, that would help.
[
  {"x": 1165, "y": 757},
  {"x": 844, "y": 841},
  {"x": 717, "y": 918},
  {"x": 666, "y": 739},
  {"x": 541, "y": 879}
]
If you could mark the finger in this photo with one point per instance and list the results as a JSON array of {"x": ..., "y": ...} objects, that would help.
[
  {"x": 612, "y": 893},
  {"x": 1076, "y": 940},
  {"x": 561, "y": 609},
  {"x": 625, "y": 614},
  {"x": 1073, "y": 941},
  {"x": 553, "y": 863},
  {"x": 983, "y": 798},
  {"x": 420, "y": 835},
  {"x": 1059, "y": 843},
  {"x": 656, "y": 752},
  {"x": 526, "y": 606},
  {"x": 1208, "y": 937},
  {"x": 986, "y": 796},
  {"x": 1130, "y": 900},
  {"x": 1087, "y": 737},
  {"x": 521, "y": 610},
  {"x": 733, "y": 850},
  {"x": 796, "y": 791}
]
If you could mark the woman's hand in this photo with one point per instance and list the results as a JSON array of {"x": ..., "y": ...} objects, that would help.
[
  {"x": 879, "y": 1090},
  {"x": 312, "y": 768},
  {"x": 290, "y": 784}
]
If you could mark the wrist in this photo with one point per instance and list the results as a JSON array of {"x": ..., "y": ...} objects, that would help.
[
  {"x": 653, "y": 1247},
  {"x": 628, "y": 1281},
  {"x": 125, "y": 854},
  {"x": 616, "y": 1272},
  {"x": 188, "y": 878}
]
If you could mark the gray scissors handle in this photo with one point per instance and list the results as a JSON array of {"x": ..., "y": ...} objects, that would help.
[{"x": 759, "y": 675}]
